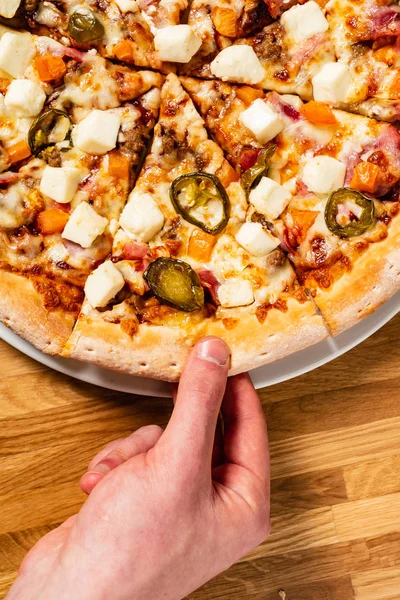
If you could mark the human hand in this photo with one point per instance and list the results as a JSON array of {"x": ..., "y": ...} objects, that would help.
[{"x": 167, "y": 511}]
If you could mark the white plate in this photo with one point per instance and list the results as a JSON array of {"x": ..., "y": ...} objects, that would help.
[{"x": 281, "y": 370}]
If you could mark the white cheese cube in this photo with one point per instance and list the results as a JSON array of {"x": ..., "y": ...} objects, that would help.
[
  {"x": 17, "y": 51},
  {"x": 126, "y": 6},
  {"x": 84, "y": 225},
  {"x": 176, "y": 43},
  {"x": 304, "y": 20},
  {"x": 324, "y": 174},
  {"x": 270, "y": 198},
  {"x": 256, "y": 240},
  {"x": 332, "y": 83},
  {"x": 8, "y": 8},
  {"x": 60, "y": 184},
  {"x": 239, "y": 64},
  {"x": 262, "y": 121},
  {"x": 97, "y": 133},
  {"x": 25, "y": 98},
  {"x": 103, "y": 284},
  {"x": 238, "y": 293},
  {"x": 142, "y": 217}
]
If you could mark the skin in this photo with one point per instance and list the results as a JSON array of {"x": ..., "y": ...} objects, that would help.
[{"x": 167, "y": 510}]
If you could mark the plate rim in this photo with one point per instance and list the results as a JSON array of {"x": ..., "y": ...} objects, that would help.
[{"x": 108, "y": 379}]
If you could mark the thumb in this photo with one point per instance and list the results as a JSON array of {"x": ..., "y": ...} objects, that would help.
[{"x": 190, "y": 434}]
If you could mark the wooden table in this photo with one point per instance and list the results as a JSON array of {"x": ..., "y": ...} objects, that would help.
[{"x": 335, "y": 445}]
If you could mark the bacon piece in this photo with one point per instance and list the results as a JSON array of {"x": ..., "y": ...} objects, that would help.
[
  {"x": 304, "y": 53},
  {"x": 210, "y": 282},
  {"x": 385, "y": 152},
  {"x": 9, "y": 177},
  {"x": 384, "y": 21},
  {"x": 248, "y": 159},
  {"x": 135, "y": 251},
  {"x": 57, "y": 49},
  {"x": 284, "y": 108},
  {"x": 351, "y": 163}
]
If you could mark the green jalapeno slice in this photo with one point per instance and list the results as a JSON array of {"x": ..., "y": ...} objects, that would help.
[
  {"x": 85, "y": 27},
  {"x": 51, "y": 127},
  {"x": 251, "y": 177},
  {"x": 175, "y": 283},
  {"x": 201, "y": 200},
  {"x": 358, "y": 223}
]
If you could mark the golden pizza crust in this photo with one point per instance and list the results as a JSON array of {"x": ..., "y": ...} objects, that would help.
[
  {"x": 22, "y": 310},
  {"x": 160, "y": 352},
  {"x": 374, "y": 278}
]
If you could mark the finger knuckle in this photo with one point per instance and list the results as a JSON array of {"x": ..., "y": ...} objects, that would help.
[{"x": 150, "y": 430}]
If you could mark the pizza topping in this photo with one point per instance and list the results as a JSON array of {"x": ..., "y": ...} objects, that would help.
[
  {"x": 141, "y": 217},
  {"x": 135, "y": 251},
  {"x": 97, "y": 133},
  {"x": 262, "y": 121},
  {"x": 349, "y": 213},
  {"x": 25, "y": 98},
  {"x": 318, "y": 113},
  {"x": 323, "y": 174},
  {"x": 126, "y": 6},
  {"x": 8, "y": 8},
  {"x": 176, "y": 43},
  {"x": 103, "y": 285},
  {"x": 332, "y": 83},
  {"x": 210, "y": 282},
  {"x": 60, "y": 184},
  {"x": 175, "y": 283},
  {"x": 225, "y": 21},
  {"x": 239, "y": 64},
  {"x": 201, "y": 200},
  {"x": 305, "y": 52},
  {"x": 201, "y": 245},
  {"x": 259, "y": 168},
  {"x": 304, "y": 20},
  {"x": 51, "y": 221},
  {"x": 238, "y": 293},
  {"x": 19, "y": 151},
  {"x": 366, "y": 177},
  {"x": 84, "y": 225},
  {"x": 50, "y": 68},
  {"x": 84, "y": 27},
  {"x": 51, "y": 127},
  {"x": 269, "y": 198},
  {"x": 16, "y": 53},
  {"x": 256, "y": 240}
]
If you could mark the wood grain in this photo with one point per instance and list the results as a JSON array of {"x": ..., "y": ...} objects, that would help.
[{"x": 335, "y": 447}]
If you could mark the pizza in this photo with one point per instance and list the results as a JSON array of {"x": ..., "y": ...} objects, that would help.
[{"x": 170, "y": 171}]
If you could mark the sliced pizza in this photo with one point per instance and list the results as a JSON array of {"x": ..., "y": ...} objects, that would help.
[
  {"x": 73, "y": 129},
  {"x": 121, "y": 29},
  {"x": 326, "y": 183},
  {"x": 218, "y": 24},
  {"x": 283, "y": 56},
  {"x": 365, "y": 35},
  {"x": 342, "y": 54},
  {"x": 189, "y": 261}
]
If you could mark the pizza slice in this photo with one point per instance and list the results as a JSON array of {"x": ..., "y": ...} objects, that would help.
[
  {"x": 73, "y": 129},
  {"x": 218, "y": 24},
  {"x": 283, "y": 56},
  {"x": 324, "y": 181},
  {"x": 365, "y": 35},
  {"x": 121, "y": 29},
  {"x": 187, "y": 262},
  {"x": 341, "y": 209}
]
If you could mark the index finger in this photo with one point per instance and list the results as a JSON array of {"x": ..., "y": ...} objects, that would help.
[{"x": 245, "y": 437}]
